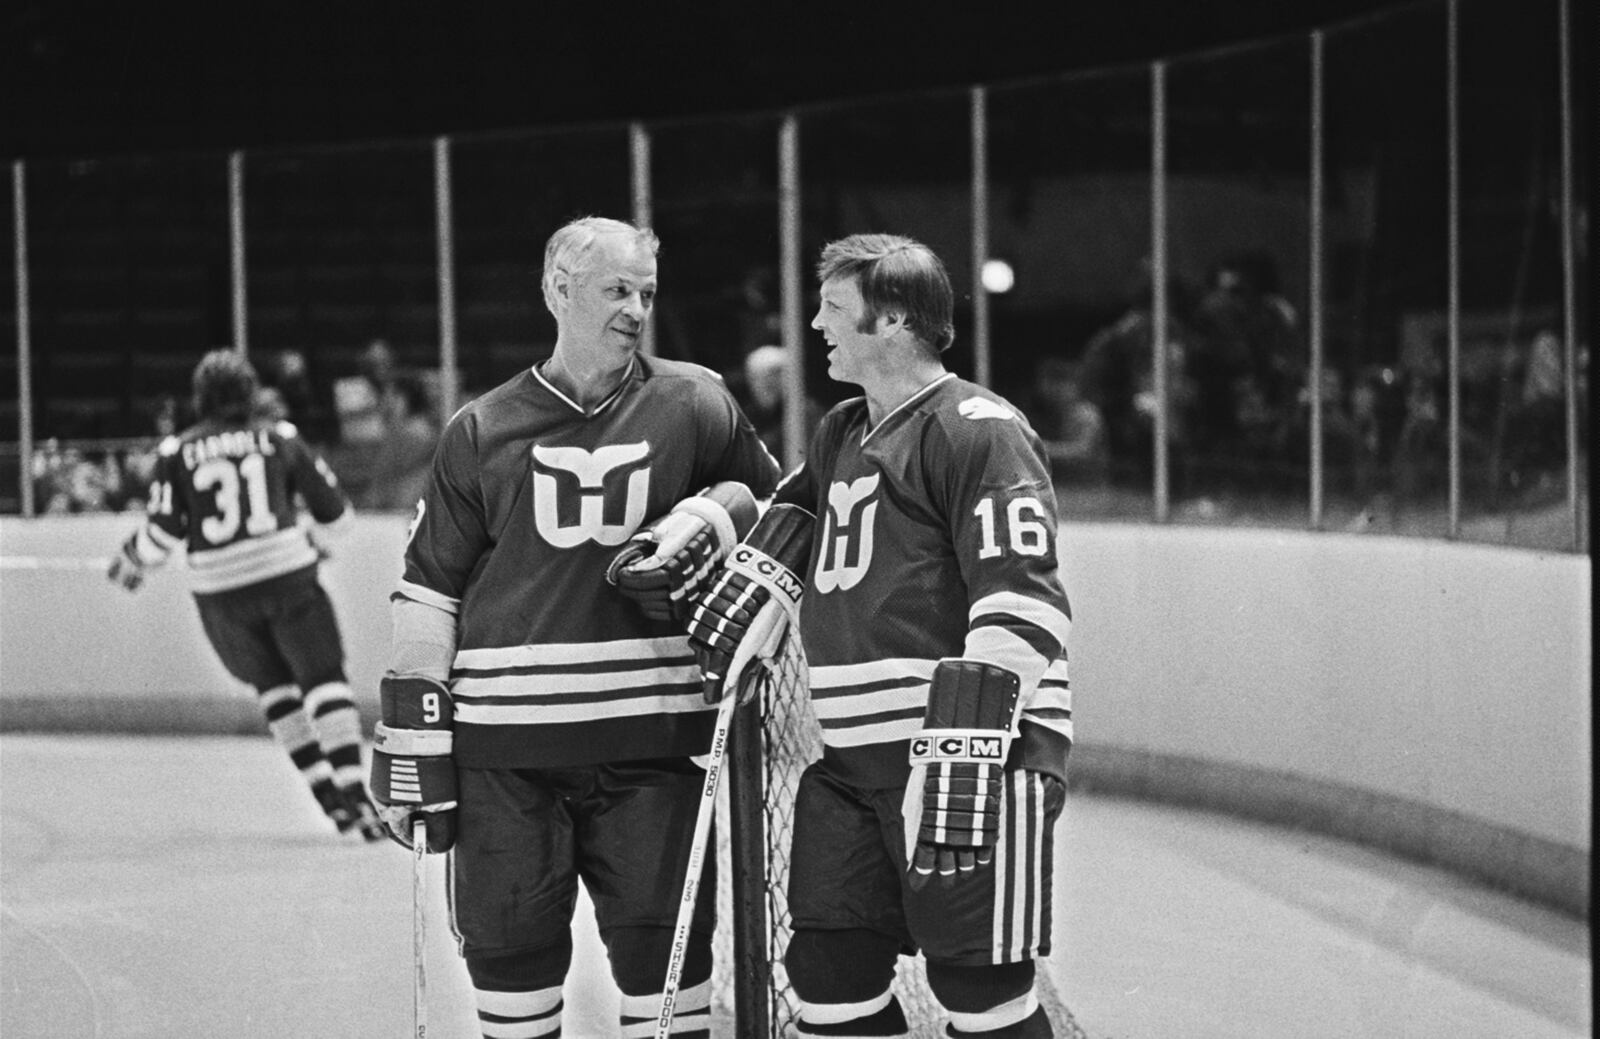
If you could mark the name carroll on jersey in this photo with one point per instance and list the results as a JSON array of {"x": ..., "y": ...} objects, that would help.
[{"x": 233, "y": 443}]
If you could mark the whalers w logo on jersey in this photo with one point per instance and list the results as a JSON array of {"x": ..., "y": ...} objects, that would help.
[
  {"x": 847, "y": 534},
  {"x": 576, "y": 497}
]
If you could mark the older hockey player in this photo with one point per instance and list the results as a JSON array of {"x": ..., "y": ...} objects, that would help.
[
  {"x": 226, "y": 489},
  {"x": 543, "y": 704},
  {"x": 917, "y": 546}
]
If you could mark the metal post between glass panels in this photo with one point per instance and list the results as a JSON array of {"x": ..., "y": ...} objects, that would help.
[
  {"x": 1453, "y": 311},
  {"x": 794, "y": 410},
  {"x": 981, "y": 367},
  {"x": 1569, "y": 316},
  {"x": 1158, "y": 285},
  {"x": 19, "y": 212},
  {"x": 1314, "y": 304},
  {"x": 240, "y": 300},
  {"x": 639, "y": 172},
  {"x": 444, "y": 218}
]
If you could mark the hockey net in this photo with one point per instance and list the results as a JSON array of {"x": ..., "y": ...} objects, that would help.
[{"x": 790, "y": 739}]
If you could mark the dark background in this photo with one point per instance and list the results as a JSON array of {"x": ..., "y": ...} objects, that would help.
[{"x": 81, "y": 79}]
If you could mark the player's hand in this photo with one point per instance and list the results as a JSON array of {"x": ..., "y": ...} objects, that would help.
[
  {"x": 666, "y": 566},
  {"x": 957, "y": 816},
  {"x": 413, "y": 767},
  {"x": 125, "y": 569},
  {"x": 735, "y": 625},
  {"x": 745, "y": 615},
  {"x": 399, "y": 820},
  {"x": 954, "y": 795}
]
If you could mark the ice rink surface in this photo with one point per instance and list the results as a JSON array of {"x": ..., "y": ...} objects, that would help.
[{"x": 188, "y": 888}]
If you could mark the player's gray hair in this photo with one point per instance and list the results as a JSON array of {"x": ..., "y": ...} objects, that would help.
[
  {"x": 567, "y": 250},
  {"x": 896, "y": 273}
]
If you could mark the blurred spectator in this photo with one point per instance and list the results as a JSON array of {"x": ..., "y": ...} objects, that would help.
[
  {"x": 762, "y": 397},
  {"x": 1248, "y": 367},
  {"x": 1117, "y": 378},
  {"x": 67, "y": 482},
  {"x": 387, "y": 432},
  {"x": 1536, "y": 433},
  {"x": 1350, "y": 435},
  {"x": 1071, "y": 426}
]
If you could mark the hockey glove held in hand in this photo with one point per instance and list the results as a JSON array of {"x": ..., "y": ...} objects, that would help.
[
  {"x": 745, "y": 615},
  {"x": 666, "y": 566},
  {"x": 953, "y": 798},
  {"x": 413, "y": 769},
  {"x": 126, "y": 569}
]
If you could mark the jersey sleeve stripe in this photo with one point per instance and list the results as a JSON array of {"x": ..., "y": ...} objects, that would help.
[
  {"x": 153, "y": 545},
  {"x": 1034, "y": 611},
  {"x": 428, "y": 597},
  {"x": 1043, "y": 643},
  {"x": 1005, "y": 648}
]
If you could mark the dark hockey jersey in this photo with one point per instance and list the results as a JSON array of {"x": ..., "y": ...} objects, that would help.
[
  {"x": 935, "y": 537},
  {"x": 528, "y": 502},
  {"x": 229, "y": 494}
]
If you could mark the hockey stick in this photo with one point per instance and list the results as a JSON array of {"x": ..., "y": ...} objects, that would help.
[
  {"x": 419, "y": 853},
  {"x": 697, "y": 855}
]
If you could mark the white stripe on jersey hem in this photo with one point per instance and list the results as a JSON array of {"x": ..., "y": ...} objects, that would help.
[
  {"x": 550, "y": 654},
  {"x": 856, "y": 705},
  {"x": 1024, "y": 607},
  {"x": 564, "y": 683},
  {"x": 876, "y": 734},
  {"x": 572, "y": 713},
  {"x": 835, "y": 676},
  {"x": 249, "y": 562}
]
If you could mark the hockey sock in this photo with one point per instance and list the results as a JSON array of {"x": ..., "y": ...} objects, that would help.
[
  {"x": 996, "y": 1001},
  {"x": 888, "y": 1020},
  {"x": 292, "y": 730},
  {"x": 1035, "y": 1026},
  {"x": 519, "y": 994},
  {"x": 691, "y": 1012},
  {"x": 842, "y": 979},
  {"x": 639, "y": 957},
  {"x": 338, "y": 727}
]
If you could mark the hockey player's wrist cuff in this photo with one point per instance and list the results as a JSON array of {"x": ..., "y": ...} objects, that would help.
[{"x": 422, "y": 743}]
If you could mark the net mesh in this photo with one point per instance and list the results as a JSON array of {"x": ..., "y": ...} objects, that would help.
[{"x": 791, "y": 740}]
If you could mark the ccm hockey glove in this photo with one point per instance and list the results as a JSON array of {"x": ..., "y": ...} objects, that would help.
[
  {"x": 412, "y": 767},
  {"x": 666, "y": 566},
  {"x": 954, "y": 795},
  {"x": 746, "y": 613}
]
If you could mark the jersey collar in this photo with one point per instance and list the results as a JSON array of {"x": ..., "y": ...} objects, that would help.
[
  {"x": 908, "y": 402},
  {"x": 622, "y": 384}
]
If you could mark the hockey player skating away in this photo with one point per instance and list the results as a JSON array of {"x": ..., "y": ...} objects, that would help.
[
  {"x": 226, "y": 489},
  {"x": 916, "y": 546},
  {"x": 542, "y": 723}
]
